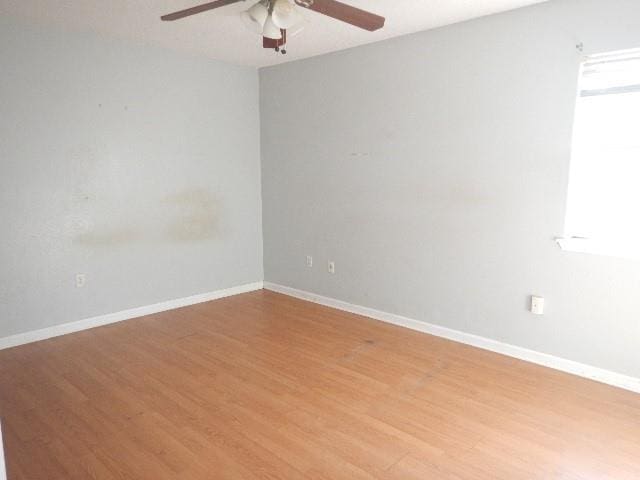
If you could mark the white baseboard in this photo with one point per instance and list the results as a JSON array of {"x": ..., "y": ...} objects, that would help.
[
  {"x": 57, "y": 330},
  {"x": 557, "y": 363},
  {"x": 3, "y": 471}
]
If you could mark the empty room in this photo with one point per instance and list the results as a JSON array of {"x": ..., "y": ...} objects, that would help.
[{"x": 320, "y": 239}]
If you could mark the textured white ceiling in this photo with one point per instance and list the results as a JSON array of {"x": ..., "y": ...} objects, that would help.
[{"x": 220, "y": 34}]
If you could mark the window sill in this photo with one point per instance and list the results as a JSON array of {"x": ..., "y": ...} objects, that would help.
[{"x": 620, "y": 249}]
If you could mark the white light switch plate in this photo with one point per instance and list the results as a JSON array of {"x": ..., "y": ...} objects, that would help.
[{"x": 537, "y": 305}]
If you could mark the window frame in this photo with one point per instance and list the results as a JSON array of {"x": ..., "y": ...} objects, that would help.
[{"x": 620, "y": 247}]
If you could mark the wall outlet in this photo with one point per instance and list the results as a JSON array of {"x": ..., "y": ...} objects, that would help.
[
  {"x": 331, "y": 267},
  {"x": 81, "y": 280},
  {"x": 537, "y": 305},
  {"x": 309, "y": 261}
]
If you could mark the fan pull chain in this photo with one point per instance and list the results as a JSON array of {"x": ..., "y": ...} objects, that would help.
[{"x": 284, "y": 42}]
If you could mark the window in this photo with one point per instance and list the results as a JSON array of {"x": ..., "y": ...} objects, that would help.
[{"x": 603, "y": 208}]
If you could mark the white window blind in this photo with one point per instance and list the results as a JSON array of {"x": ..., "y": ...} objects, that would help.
[{"x": 603, "y": 208}]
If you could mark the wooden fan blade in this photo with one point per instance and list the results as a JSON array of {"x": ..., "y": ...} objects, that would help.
[
  {"x": 199, "y": 9},
  {"x": 346, "y": 13}
]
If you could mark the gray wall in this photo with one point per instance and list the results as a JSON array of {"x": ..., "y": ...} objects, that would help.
[
  {"x": 433, "y": 170},
  {"x": 137, "y": 167}
]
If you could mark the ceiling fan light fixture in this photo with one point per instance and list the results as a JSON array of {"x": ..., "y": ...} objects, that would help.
[
  {"x": 271, "y": 30},
  {"x": 258, "y": 13},
  {"x": 254, "y": 17},
  {"x": 285, "y": 15},
  {"x": 250, "y": 23}
]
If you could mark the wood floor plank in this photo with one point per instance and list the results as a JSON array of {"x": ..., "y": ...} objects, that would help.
[{"x": 263, "y": 386}]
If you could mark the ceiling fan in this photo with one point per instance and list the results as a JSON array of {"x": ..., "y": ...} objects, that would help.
[{"x": 273, "y": 19}]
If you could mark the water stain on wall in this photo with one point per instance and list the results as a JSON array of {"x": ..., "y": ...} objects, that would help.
[
  {"x": 190, "y": 215},
  {"x": 107, "y": 238},
  {"x": 195, "y": 216}
]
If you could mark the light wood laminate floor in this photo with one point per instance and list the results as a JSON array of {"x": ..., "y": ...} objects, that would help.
[{"x": 263, "y": 386}]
